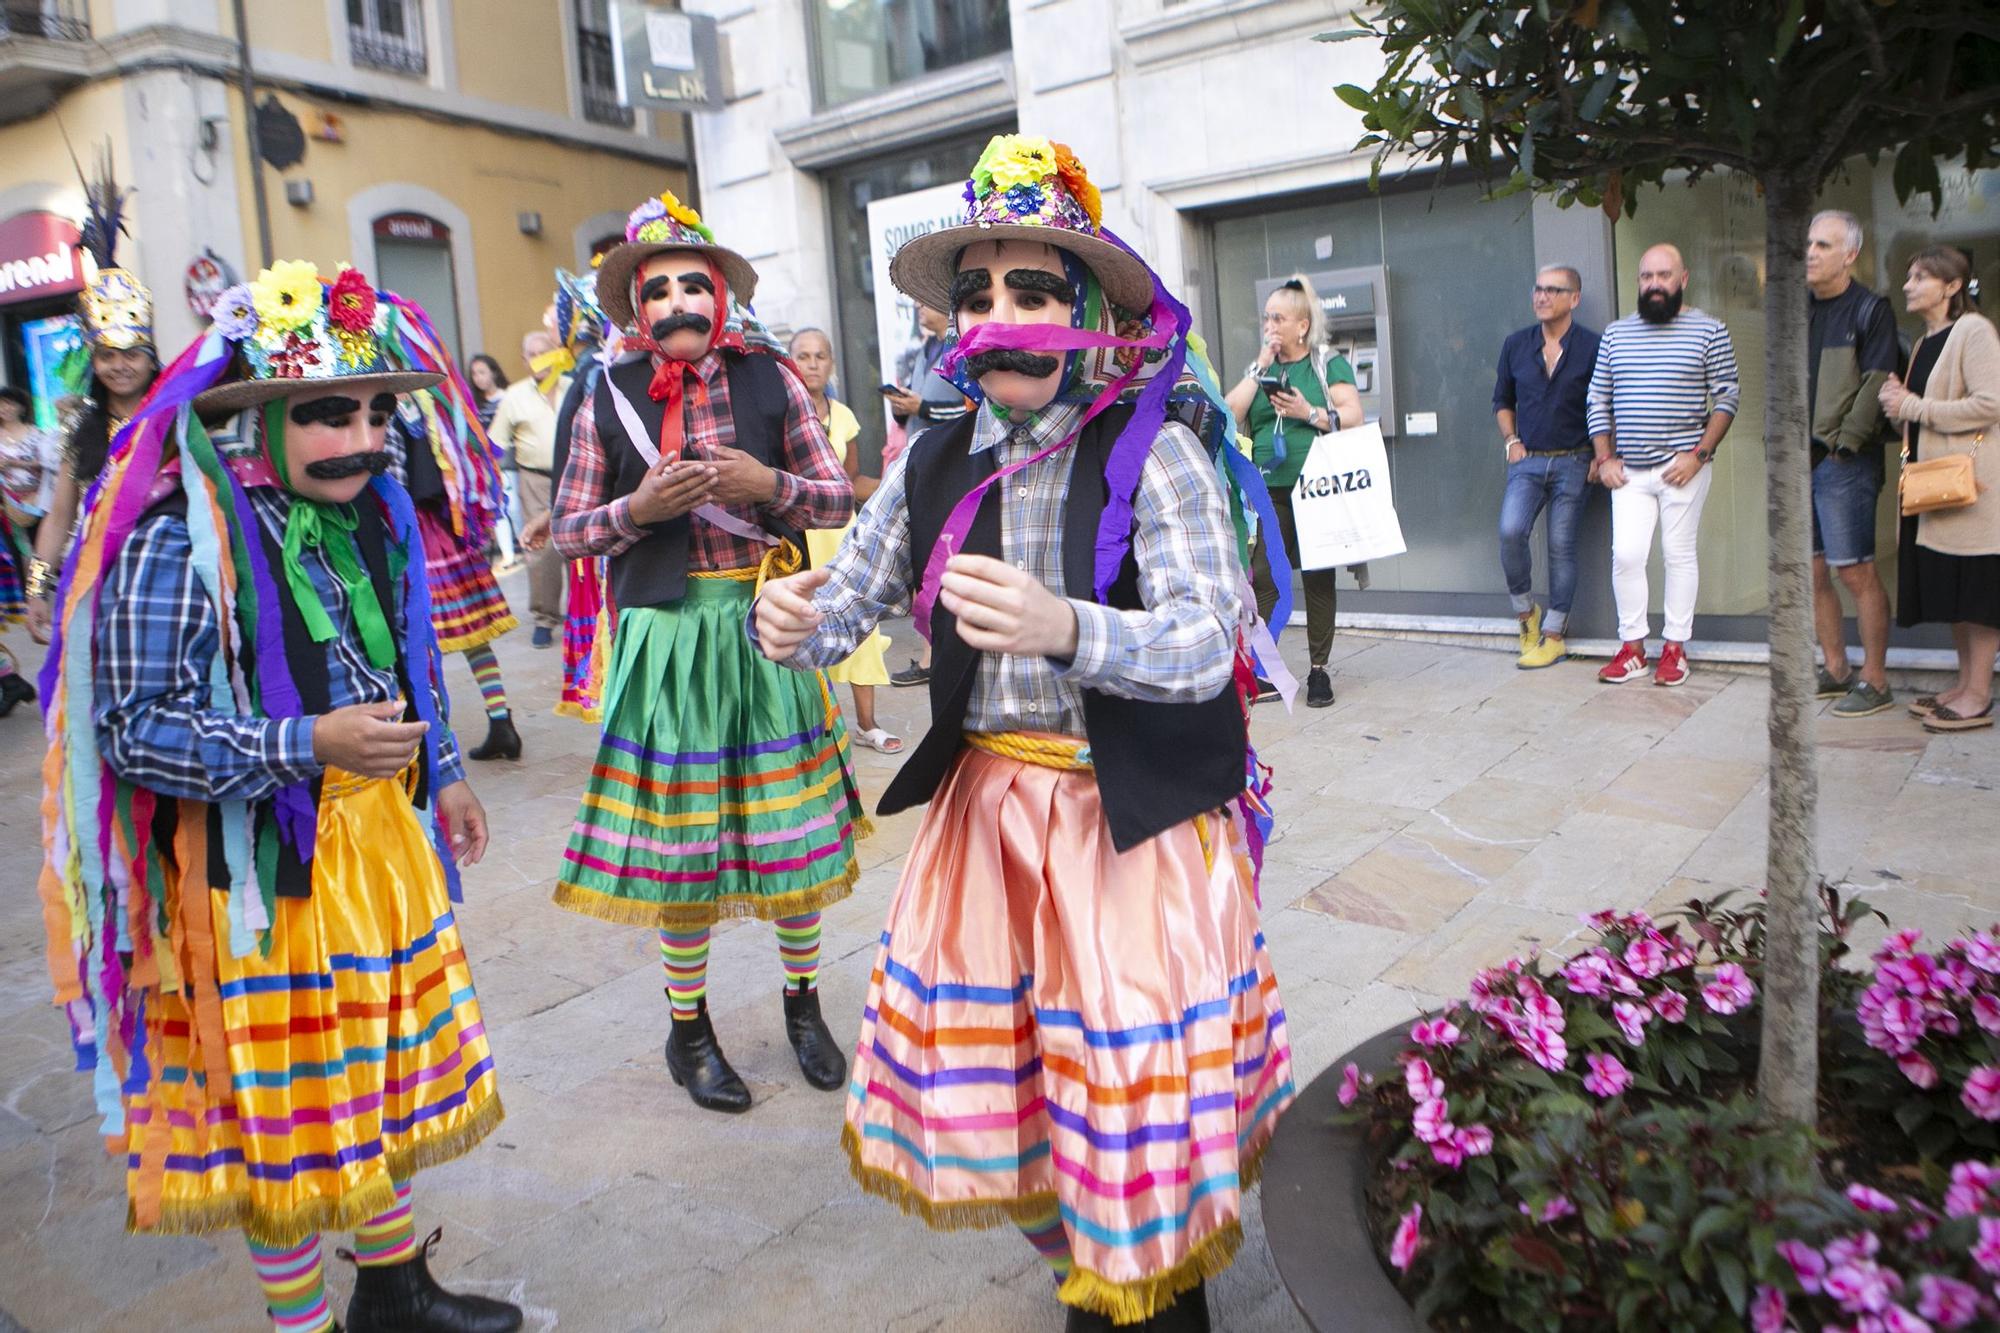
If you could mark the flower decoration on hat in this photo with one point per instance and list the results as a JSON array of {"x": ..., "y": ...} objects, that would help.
[
  {"x": 665, "y": 220},
  {"x": 288, "y": 296},
  {"x": 1028, "y": 181},
  {"x": 291, "y": 324}
]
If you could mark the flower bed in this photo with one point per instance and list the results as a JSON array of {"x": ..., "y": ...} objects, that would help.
[{"x": 1574, "y": 1146}]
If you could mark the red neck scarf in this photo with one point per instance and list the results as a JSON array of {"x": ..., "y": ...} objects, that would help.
[{"x": 670, "y": 373}]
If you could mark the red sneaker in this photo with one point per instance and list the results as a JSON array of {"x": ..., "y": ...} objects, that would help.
[
  {"x": 1630, "y": 664},
  {"x": 1673, "y": 668}
]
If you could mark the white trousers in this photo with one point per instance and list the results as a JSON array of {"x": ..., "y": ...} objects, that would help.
[{"x": 1642, "y": 503}]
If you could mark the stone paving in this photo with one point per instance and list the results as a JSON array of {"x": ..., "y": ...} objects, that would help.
[{"x": 1448, "y": 811}]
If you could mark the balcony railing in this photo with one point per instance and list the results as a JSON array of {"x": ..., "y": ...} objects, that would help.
[
  {"x": 56, "y": 23},
  {"x": 399, "y": 55},
  {"x": 597, "y": 71}
]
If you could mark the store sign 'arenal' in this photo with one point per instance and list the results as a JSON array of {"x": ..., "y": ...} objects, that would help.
[{"x": 39, "y": 257}]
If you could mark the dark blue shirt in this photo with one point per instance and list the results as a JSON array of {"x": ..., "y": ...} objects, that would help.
[{"x": 1550, "y": 411}]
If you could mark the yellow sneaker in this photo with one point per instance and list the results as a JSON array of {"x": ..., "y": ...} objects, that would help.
[
  {"x": 1551, "y": 650},
  {"x": 1531, "y": 630}
]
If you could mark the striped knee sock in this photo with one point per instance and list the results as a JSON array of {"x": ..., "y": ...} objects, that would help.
[
  {"x": 798, "y": 947},
  {"x": 1046, "y": 1234},
  {"x": 389, "y": 1237},
  {"x": 486, "y": 670},
  {"x": 685, "y": 956},
  {"x": 294, "y": 1282}
]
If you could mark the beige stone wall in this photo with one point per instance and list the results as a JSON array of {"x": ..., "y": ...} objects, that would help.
[{"x": 514, "y": 51}]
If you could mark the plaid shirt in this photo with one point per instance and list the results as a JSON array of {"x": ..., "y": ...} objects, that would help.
[
  {"x": 1178, "y": 650},
  {"x": 157, "y": 636},
  {"x": 813, "y": 490}
]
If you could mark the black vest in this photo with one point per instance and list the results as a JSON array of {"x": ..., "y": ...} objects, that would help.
[
  {"x": 312, "y": 675},
  {"x": 653, "y": 570},
  {"x": 1158, "y": 765}
]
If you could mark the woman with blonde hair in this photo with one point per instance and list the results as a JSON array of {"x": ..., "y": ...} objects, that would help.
[
  {"x": 1292, "y": 394},
  {"x": 1950, "y": 558}
]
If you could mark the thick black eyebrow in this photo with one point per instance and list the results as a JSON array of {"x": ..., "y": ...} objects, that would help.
[
  {"x": 331, "y": 408},
  {"x": 1040, "y": 280},
  {"x": 654, "y": 287},
  {"x": 382, "y": 402},
  {"x": 969, "y": 283},
  {"x": 700, "y": 281}
]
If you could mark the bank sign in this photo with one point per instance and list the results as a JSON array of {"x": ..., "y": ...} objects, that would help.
[
  {"x": 40, "y": 257},
  {"x": 668, "y": 60}
]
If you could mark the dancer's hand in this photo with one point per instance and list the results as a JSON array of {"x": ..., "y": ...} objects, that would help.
[
  {"x": 464, "y": 822},
  {"x": 741, "y": 479},
  {"x": 786, "y": 616},
  {"x": 40, "y": 613},
  {"x": 1002, "y": 609},
  {"x": 536, "y": 534},
  {"x": 366, "y": 740},
  {"x": 670, "y": 489}
]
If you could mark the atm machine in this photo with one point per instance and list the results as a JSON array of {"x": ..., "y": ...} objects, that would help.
[{"x": 1355, "y": 305}]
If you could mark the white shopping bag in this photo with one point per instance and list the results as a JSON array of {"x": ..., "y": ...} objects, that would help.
[{"x": 1342, "y": 503}]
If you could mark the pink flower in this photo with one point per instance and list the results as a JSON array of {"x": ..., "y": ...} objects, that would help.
[
  {"x": 1870, "y": 1200},
  {"x": 1604, "y": 920},
  {"x": 1423, "y": 1085},
  {"x": 1588, "y": 975},
  {"x": 1918, "y": 1070},
  {"x": 1646, "y": 957},
  {"x": 1448, "y": 1154},
  {"x": 1903, "y": 1021},
  {"x": 1808, "y": 1266},
  {"x": 1899, "y": 945},
  {"x": 1729, "y": 991},
  {"x": 1918, "y": 975},
  {"x": 1767, "y": 1311},
  {"x": 1350, "y": 1084},
  {"x": 1544, "y": 1045},
  {"x": 1981, "y": 1094},
  {"x": 1946, "y": 1301},
  {"x": 1433, "y": 1122},
  {"x": 1983, "y": 952},
  {"x": 1972, "y": 1185},
  {"x": 1853, "y": 1249},
  {"x": 1404, "y": 1248},
  {"x": 1862, "y": 1286},
  {"x": 1632, "y": 1021},
  {"x": 1896, "y": 1319},
  {"x": 1474, "y": 1140},
  {"x": 1539, "y": 1005},
  {"x": 1607, "y": 1076},
  {"x": 1986, "y": 1250},
  {"x": 1986, "y": 1012},
  {"x": 1671, "y": 1005},
  {"x": 1438, "y": 1032},
  {"x": 1557, "y": 1208}
]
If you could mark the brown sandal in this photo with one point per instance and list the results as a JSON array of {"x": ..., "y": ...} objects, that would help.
[
  {"x": 1923, "y": 705},
  {"x": 1950, "y": 719}
]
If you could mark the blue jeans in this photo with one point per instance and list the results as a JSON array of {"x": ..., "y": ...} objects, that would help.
[
  {"x": 1844, "y": 493},
  {"x": 1556, "y": 483}
]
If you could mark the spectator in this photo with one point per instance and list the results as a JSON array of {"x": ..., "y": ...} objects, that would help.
[
  {"x": 1662, "y": 397},
  {"x": 1950, "y": 558},
  {"x": 1317, "y": 397},
  {"x": 867, "y": 666},
  {"x": 489, "y": 383},
  {"x": 1852, "y": 351},
  {"x": 1541, "y": 399},
  {"x": 928, "y": 399},
  {"x": 525, "y": 426},
  {"x": 30, "y": 459}
]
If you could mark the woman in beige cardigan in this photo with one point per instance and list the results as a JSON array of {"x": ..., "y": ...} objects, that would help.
[{"x": 1950, "y": 565}]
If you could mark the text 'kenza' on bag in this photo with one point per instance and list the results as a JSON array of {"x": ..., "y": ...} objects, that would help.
[{"x": 1342, "y": 502}]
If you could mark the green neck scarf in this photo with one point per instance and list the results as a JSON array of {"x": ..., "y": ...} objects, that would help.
[{"x": 330, "y": 528}]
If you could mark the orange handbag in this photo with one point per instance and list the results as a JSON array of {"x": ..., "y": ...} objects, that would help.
[{"x": 1946, "y": 482}]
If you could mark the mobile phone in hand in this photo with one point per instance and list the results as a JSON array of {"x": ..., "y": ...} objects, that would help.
[
  {"x": 888, "y": 390},
  {"x": 1272, "y": 385}
]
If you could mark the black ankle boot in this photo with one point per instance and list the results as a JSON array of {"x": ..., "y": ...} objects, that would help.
[
  {"x": 819, "y": 1055},
  {"x": 405, "y": 1298},
  {"x": 697, "y": 1064},
  {"x": 1188, "y": 1314},
  {"x": 1087, "y": 1321},
  {"x": 502, "y": 741},
  {"x": 14, "y": 689}
]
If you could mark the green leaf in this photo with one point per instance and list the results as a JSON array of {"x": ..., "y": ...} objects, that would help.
[
  {"x": 1735, "y": 1283},
  {"x": 1344, "y": 35},
  {"x": 1788, "y": 28},
  {"x": 1599, "y": 94},
  {"x": 1709, "y": 1221},
  {"x": 1358, "y": 98}
]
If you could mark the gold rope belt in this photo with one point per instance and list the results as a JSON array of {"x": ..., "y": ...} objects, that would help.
[
  {"x": 779, "y": 561},
  {"x": 1046, "y": 751}
]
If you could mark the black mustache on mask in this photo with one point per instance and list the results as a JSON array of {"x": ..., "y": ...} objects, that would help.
[
  {"x": 672, "y": 324},
  {"x": 1011, "y": 358},
  {"x": 374, "y": 463}
]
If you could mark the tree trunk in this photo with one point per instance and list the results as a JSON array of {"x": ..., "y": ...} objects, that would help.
[{"x": 1788, "y": 1072}]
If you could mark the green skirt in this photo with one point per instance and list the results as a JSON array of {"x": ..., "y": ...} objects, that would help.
[{"x": 722, "y": 786}]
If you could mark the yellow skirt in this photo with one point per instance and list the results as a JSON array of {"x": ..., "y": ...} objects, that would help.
[
  {"x": 868, "y": 664},
  {"x": 350, "y": 1054}
]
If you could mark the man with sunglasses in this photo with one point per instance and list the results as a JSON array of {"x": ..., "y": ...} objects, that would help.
[{"x": 1540, "y": 398}]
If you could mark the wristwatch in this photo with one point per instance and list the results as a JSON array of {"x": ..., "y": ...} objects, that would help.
[{"x": 1705, "y": 452}]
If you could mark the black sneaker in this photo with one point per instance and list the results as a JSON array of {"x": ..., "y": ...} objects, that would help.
[
  {"x": 1319, "y": 689},
  {"x": 1828, "y": 686},
  {"x": 916, "y": 673},
  {"x": 543, "y": 637}
]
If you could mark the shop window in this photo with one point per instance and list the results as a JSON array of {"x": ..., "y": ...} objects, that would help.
[
  {"x": 388, "y": 34},
  {"x": 864, "y": 46},
  {"x": 597, "y": 65},
  {"x": 413, "y": 258}
]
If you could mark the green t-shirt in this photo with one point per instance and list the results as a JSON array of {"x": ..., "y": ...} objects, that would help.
[{"x": 1299, "y": 437}]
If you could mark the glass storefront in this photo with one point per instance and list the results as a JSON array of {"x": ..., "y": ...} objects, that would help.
[
  {"x": 850, "y": 188},
  {"x": 864, "y": 46}
]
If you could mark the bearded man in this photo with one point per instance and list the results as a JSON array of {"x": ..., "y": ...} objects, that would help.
[
  {"x": 721, "y": 787},
  {"x": 1072, "y": 1024}
]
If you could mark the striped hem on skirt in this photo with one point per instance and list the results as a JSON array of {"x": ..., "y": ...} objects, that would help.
[{"x": 467, "y": 606}]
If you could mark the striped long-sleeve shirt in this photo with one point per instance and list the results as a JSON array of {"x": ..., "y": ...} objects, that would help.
[
  {"x": 1656, "y": 384},
  {"x": 1178, "y": 650}
]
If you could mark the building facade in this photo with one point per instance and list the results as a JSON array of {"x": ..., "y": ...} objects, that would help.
[
  {"x": 1223, "y": 154},
  {"x": 455, "y": 150}
]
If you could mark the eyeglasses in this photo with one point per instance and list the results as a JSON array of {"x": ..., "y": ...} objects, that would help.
[{"x": 1553, "y": 291}]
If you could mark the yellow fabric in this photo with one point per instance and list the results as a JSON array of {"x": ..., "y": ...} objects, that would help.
[
  {"x": 868, "y": 664},
  {"x": 1047, "y": 751}
]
